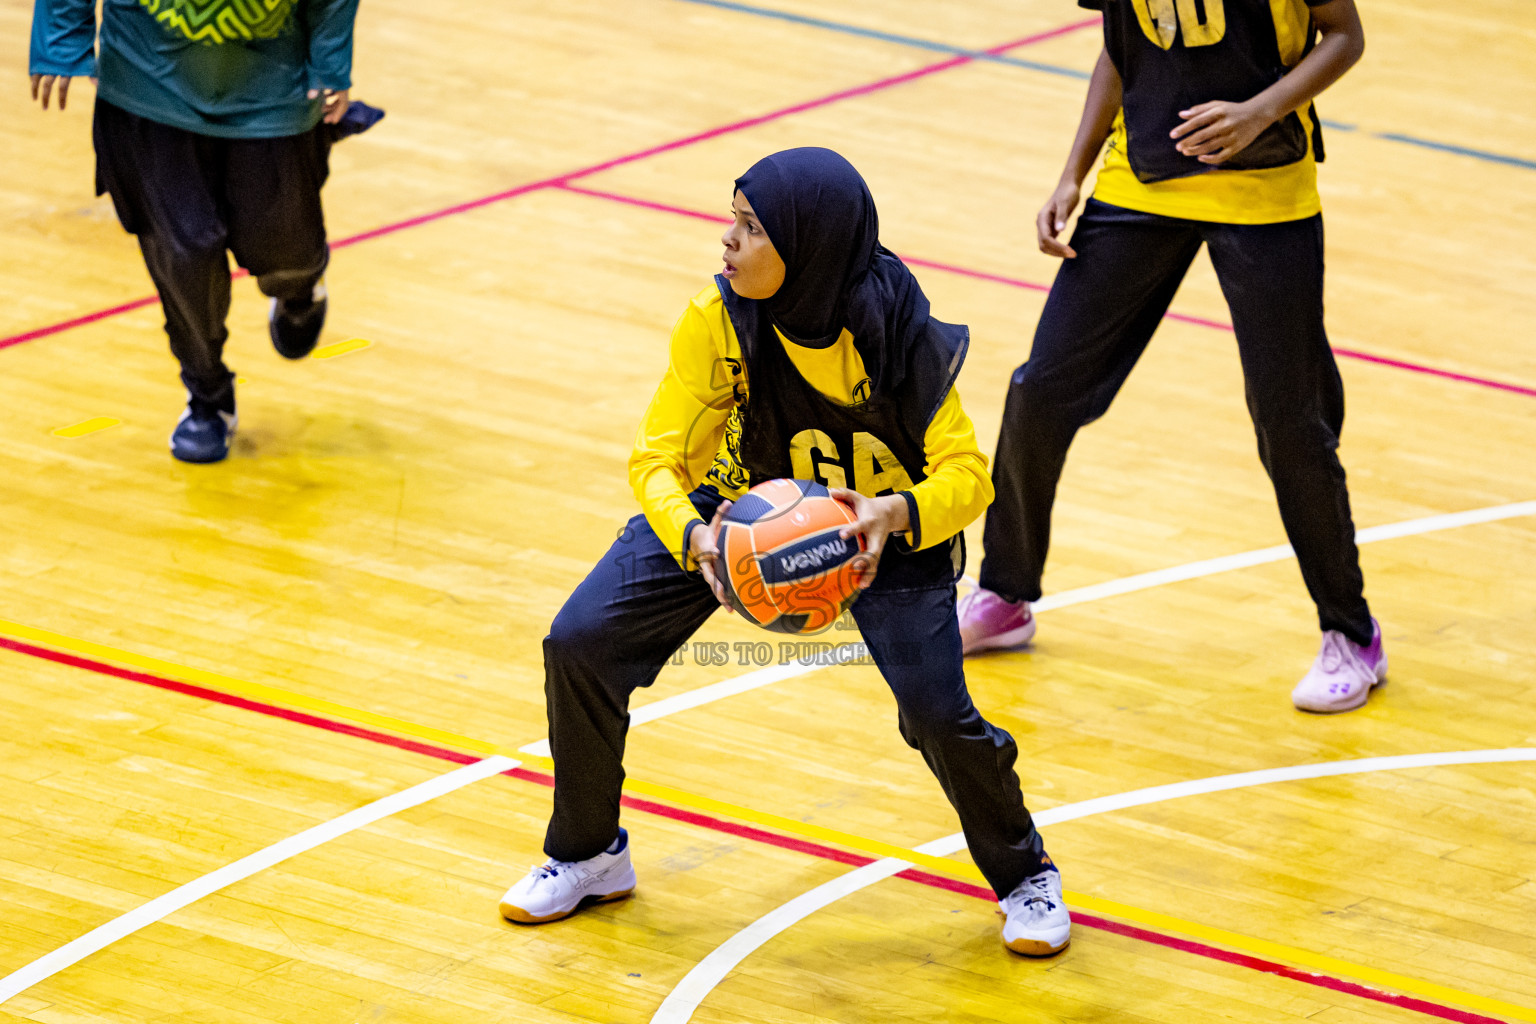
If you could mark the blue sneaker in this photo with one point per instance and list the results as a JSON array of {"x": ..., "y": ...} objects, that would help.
[
  {"x": 203, "y": 432},
  {"x": 294, "y": 326}
]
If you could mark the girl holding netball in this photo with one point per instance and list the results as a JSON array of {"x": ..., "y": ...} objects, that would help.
[{"x": 812, "y": 355}]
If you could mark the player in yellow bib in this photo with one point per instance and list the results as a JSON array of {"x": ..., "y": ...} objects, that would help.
[
  {"x": 1213, "y": 140},
  {"x": 813, "y": 355}
]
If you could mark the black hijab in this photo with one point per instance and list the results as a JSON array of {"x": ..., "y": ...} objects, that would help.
[{"x": 819, "y": 215}]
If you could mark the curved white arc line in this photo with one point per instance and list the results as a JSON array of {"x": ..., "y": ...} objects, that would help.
[
  {"x": 1263, "y": 556},
  {"x": 730, "y": 687},
  {"x": 685, "y": 997},
  {"x": 1081, "y": 595},
  {"x": 679, "y": 1005},
  {"x": 1243, "y": 780},
  {"x": 711, "y": 971},
  {"x": 1265, "y": 776},
  {"x": 160, "y": 907},
  {"x": 709, "y": 694}
]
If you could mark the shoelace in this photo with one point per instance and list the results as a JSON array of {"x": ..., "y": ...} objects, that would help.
[
  {"x": 1335, "y": 652},
  {"x": 1332, "y": 654},
  {"x": 1042, "y": 893},
  {"x": 550, "y": 869}
]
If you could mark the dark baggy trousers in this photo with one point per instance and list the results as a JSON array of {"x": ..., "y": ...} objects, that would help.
[
  {"x": 191, "y": 197},
  {"x": 636, "y": 608},
  {"x": 1099, "y": 316}
]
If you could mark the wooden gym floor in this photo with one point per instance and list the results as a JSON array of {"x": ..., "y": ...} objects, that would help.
[{"x": 258, "y": 714}]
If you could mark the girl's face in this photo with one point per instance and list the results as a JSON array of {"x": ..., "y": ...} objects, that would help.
[{"x": 752, "y": 265}]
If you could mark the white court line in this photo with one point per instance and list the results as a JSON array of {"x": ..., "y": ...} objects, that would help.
[
  {"x": 1248, "y": 559},
  {"x": 711, "y": 971},
  {"x": 685, "y": 998},
  {"x": 142, "y": 916},
  {"x": 156, "y": 909},
  {"x": 699, "y": 697},
  {"x": 1097, "y": 592}
]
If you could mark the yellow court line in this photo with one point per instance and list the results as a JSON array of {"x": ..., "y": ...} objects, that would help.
[
  {"x": 340, "y": 348},
  {"x": 873, "y": 847},
  {"x": 401, "y": 727},
  {"x": 255, "y": 691},
  {"x": 804, "y": 829},
  {"x": 85, "y": 427},
  {"x": 1302, "y": 958}
]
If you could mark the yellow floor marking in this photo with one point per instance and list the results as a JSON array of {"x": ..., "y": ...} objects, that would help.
[
  {"x": 331, "y": 709},
  {"x": 255, "y": 691},
  {"x": 340, "y": 348},
  {"x": 1300, "y": 957},
  {"x": 84, "y": 427},
  {"x": 805, "y": 830}
]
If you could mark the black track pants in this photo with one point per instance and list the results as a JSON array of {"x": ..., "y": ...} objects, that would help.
[{"x": 1099, "y": 316}]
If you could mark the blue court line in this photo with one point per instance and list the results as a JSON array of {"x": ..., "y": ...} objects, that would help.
[
  {"x": 1056, "y": 69},
  {"x": 1446, "y": 147}
]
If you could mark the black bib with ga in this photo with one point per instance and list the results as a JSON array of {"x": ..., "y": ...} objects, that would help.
[
  {"x": 1176, "y": 54},
  {"x": 782, "y": 407}
]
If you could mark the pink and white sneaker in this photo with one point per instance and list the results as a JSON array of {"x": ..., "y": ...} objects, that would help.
[
  {"x": 1343, "y": 675},
  {"x": 987, "y": 622}
]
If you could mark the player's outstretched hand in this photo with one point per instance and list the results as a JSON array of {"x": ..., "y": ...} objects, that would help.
[
  {"x": 1052, "y": 220},
  {"x": 1215, "y": 132},
  {"x": 876, "y": 519},
  {"x": 706, "y": 554},
  {"x": 42, "y": 88},
  {"x": 336, "y": 101}
]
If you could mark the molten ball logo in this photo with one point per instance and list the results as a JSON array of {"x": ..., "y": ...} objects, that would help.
[{"x": 787, "y": 566}]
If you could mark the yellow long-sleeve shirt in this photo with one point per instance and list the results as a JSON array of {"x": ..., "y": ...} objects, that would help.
[{"x": 689, "y": 434}]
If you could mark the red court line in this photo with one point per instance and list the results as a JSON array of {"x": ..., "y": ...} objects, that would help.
[
  {"x": 79, "y": 321},
  {"x": 1399, "y": 364},
  {"x": 1225, "y": 956},
  {"x": 665, "y": 147},
  {"x": 1015, "y": 282},
  {"x": 234, "y": 701},
  {"x": 755, "y": 834}
]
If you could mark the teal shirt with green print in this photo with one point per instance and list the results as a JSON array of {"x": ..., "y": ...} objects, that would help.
[{"x": 231, "y": 68}]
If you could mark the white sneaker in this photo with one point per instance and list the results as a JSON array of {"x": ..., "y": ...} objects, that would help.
[
  {"x": 1038, "y": 923},
  {"x": 558, "y": 888},
  {"x": 1343, "y": 674}
]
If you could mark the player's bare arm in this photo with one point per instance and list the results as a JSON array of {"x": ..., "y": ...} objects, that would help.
[
  {"x": 1099, "y": 110},
  {"x": 1214, "y": 132}
]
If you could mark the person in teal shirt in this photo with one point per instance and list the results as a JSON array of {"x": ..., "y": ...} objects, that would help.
[{"x": 213, "y": 126}]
